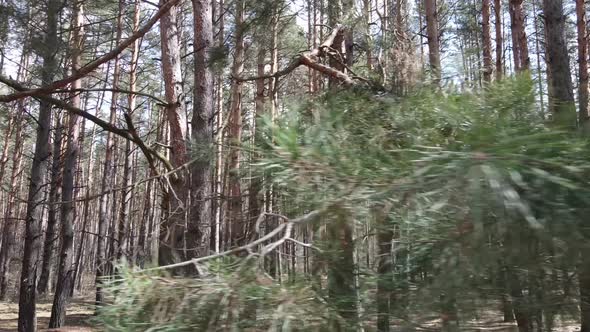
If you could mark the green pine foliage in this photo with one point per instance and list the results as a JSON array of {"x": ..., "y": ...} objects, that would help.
[{"x": 486, "y": 199}]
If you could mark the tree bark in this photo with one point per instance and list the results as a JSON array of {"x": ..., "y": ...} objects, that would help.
[
  {"x": 235, "y": 220},
  {"x": 341, "y": 271},
  {"x": 172, "y": 238},
  {"x": 561, "y": 96},
  {"x": 487, "y": 41},
  {"x": 582, "y": 62},
  {"x": 107, "y": 175},
  {"x": 201, "y": 222},
  {"x": 519, "y": 39},
  {"x": 50, "y": 232},
  {"x": 66, "y": 260},
  {"x": 539, "y": 68},
  {"x": 432, "y": 32},
  {"x": 11, "y": 213},
  {"x": 27, "y": 314},
  {"x": 384, "y": 270},
  {"x": 584, "y": 284},
  {"x": 499, "y": 39}
]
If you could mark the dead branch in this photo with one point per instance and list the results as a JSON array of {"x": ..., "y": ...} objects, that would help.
[
  {"x": 285, "y": 227},
  {"x": 309, "y": 59},
  {"x": 137, "y": 93},
  {"x": 129, "y": 134}
]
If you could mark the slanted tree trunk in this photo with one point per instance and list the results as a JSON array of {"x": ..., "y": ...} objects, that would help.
[
  {"x": 487, "y": 41},
  {"x": 433, "y": 39},
  {"x": 27, "y": 314},
  {"x": 561, "y": 95},
  {"x": 107, "y": 175},
  {"x": 66, "y": 260},
  {"x": 582, "y": 62}
]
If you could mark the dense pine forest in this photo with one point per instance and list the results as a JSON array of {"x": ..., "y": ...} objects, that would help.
[{"x": 294, "y": 165}]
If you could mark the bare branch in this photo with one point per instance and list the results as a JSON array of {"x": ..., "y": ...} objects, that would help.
[
  {"x": 160, "y": 101},
  {"x": 287, "y": 227},
  {"x": 129, "y": 134},
  {"x": 93, "y": 65},
  {"x": 308, "y": 59}
]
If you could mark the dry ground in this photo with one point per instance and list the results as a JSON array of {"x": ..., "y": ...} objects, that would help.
[{"x": 78, "y": 319}]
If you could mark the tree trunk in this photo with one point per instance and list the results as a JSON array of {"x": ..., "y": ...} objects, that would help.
[
  {"x": 254, "y": 203},
  {"x": 172, "y": 238},
  {"x": 487, "y": 41},
  {"x": 11, "y": 213},
  {"x": 107, "y": 175},
  {"x": 27, "y": 314},
  {"x": 582, "y": 62},
  {"x": 66, "y": 263},
  {"x": 384, "y": 270},
  {"x": 341, "y": 271},
  {"x": 584, "y": 283},
  {"x": 199, "y": 228},
  {"x": 519, "y": 40},
  {"x": 538, "y": 51},
  {"x": 521, "y": 308},
  {"x": 334, "y": 17},
  {"x": 50, "y": 232},
  {"x": 235, "y": 220},
  {"x": 561, "y": 96},
  {"x": 433, "y": 39},
  {"x": 499, "y": 39}
]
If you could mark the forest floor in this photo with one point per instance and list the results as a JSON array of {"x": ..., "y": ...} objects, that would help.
[
  {"x": 80, "y": 313},
  {"x": 78, "y": 318}
]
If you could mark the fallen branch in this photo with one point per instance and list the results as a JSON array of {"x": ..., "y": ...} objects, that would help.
[
  {"x": 286, "y": 226},
  {"x": 309, "y": 59}
]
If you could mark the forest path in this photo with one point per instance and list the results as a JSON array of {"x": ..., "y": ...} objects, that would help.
[{"x": 78, "y": 318}]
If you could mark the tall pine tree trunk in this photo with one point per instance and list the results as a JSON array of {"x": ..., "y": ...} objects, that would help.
[
  {"x": 201, "y": 221},
  {"x": 519, "y": 39},
  {"x": 235, "y": 219},
  {"x": 66, "y": 260},
  {"x": 432, "y": 32},
  {"x": 107, "y": 175},
  {"x": 52, "y": 214},
  {"x": 582, "y": 62},
  {"x": 27, "y": 319},
  {"x": 172, "y": 231},
  {"x": 499, "y": 39},
  {"x": 561, "y": 95},
  {"x": 487, "y": 41},
  {"x": 11, "y": 213}
]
